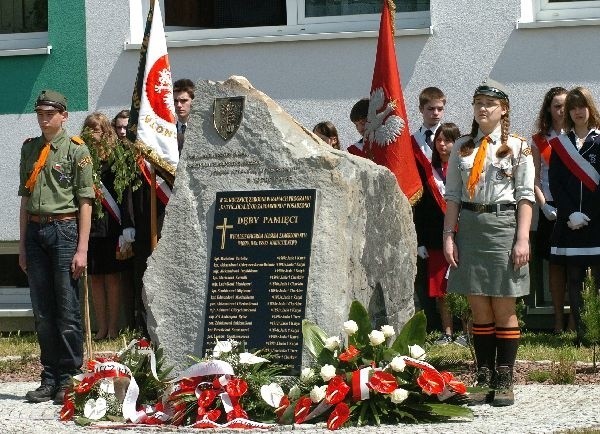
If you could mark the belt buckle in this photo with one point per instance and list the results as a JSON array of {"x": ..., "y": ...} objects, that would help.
[
  {"x": 44, "y": 218},
  {"x": 479, "y": 207}
]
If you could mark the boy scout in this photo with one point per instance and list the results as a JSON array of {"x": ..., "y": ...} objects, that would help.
[{"x": 56, "y": 190}]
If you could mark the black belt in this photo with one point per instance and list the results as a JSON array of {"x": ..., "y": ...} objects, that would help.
[{"x": 483, "y": 207}]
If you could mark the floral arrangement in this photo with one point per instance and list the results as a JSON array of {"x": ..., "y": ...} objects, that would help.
[
  {"x": 113, "y": 386},
  {"x": 223, "y": 391},
  {"x": 365, "y": 378}
]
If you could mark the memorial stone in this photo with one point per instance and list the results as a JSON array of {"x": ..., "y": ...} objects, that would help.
[{"x": 360, "y": 243}]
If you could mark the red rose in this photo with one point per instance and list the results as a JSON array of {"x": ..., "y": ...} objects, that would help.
[
  {"x": 431, "y": 382},
  {"x": 383, "y": 382},
  {"x": 337, "y": 389},
  {"x": 143, "y": 343},
  {"x": 236, "y": 387},
  {"x": 338, "y": 416},
  {"x": 350, "y": 353},
  {"x": 302, "y": 409}
]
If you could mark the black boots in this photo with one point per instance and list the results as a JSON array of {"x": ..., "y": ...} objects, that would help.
[
  {"x": 482, "y": 392},
  {"x": 503, "y": 387}
]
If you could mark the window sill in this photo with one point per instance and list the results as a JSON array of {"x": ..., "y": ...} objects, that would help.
[
  {"x": 189, "y": 42},
  {"x": 559, "y": 23},
  {"x": 26, "y": 51}
]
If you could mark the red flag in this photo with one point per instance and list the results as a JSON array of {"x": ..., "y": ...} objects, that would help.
[{"x": 387, "y": 138}]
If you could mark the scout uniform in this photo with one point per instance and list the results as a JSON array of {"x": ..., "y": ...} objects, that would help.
[
  {"x": 488, "y": 189},
  {"x": 54, "y": 177}
]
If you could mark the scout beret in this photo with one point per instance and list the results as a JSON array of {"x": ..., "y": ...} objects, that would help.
[
  {"x": 51, "y": 98},
  {"x": 492, "y": 88}
]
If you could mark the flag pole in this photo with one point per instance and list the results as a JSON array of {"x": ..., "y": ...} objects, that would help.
[
  {"x": 86, "y": 313},
  {"x": 153, "y": 213}
]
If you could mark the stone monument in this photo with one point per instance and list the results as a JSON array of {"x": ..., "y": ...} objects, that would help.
[{"x": 240, "y": 143}]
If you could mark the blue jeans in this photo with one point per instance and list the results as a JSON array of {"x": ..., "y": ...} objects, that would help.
[{"x": 55, "y": 298}]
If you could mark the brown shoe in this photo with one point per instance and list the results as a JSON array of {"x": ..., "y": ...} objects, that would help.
[
  {"x": 503, "y": 386},
  {"x": 481, "y": 392}
]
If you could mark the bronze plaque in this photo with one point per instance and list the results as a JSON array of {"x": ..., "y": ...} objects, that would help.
[{"x": 227, "y": 115}]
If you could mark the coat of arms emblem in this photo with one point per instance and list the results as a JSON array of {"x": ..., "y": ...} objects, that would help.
[{"x": 227, "y": 115}]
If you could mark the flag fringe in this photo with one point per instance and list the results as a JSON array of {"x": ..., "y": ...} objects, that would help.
[
  {"x": 165, "y": 169},
  {"x": 392, "y": 8},
  {"x": 416, "y": 197}
]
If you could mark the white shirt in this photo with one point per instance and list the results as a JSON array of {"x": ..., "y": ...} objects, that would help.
[{"x": 421, "y": 139}]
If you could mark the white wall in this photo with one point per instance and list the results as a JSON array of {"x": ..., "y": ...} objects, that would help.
[{"x": 321, "y": 80}]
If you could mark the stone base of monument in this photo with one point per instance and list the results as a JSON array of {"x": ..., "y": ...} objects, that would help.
[{"x": 267, "y": 225}]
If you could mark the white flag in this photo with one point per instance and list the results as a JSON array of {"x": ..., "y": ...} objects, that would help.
[{"x": 156, "y": 123}]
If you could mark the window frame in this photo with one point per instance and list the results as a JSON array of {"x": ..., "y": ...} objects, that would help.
[
  {"x": 578, "y": 10},
  {"x": 24, "y": 43},
  {"x": 297, "y": 27}
]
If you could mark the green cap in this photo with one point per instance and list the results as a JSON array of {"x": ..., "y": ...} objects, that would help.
[
  {"x": 51, "y": 98},
  {"x": 492, "y": 88}
]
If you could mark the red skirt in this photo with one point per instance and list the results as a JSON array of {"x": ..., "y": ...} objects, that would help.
[{"x": 437, "y": 268}]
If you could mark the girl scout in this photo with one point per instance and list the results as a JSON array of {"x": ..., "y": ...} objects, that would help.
[{"x": 490, "y": 186}]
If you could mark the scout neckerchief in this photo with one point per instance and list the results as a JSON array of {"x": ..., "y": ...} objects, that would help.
[
  {"x": 435, "y": 183},
  {"x": 38, "y": 166},
  {"x": 163, "y": 192},
  {"x": 575, "y": 162},
  {"x": 478, "y": 164},
  {"x": 543, "y": 146}
]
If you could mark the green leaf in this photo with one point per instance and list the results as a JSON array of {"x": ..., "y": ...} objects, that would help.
[
  {"x": 450, "y": 410},
  {"x": 360, "y": 315},
  {"x": 413, "y": 333},
  {"x": 82, "y": 421},
  {"x": 375, "y": 411},
  {"x": 314, "y": 337}
]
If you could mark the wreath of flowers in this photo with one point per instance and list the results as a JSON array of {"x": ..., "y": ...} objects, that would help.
[{"x": 363, "y": 378}]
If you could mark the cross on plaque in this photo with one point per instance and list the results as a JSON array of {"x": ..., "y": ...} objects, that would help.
[{"x": 223, "y": 229}]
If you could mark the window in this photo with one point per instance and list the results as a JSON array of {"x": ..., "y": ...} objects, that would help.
[
  {"x": 549, "y": 10},
  {"x": 23, "y": 16},
  {"x": 210, "y": 19},
  {"x": 24, "y": 25}
]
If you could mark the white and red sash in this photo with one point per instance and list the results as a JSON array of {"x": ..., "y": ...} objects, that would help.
[
  {"x": 578, "y": 165},
  {"x": 435, "y": 183},
  {"x": 110, "y": 204},
  {"x": 163, "y": 191},
  {"x": 543, "y": 146}
]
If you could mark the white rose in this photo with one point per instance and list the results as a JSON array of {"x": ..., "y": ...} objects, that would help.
[
  {"x": 416, "y": 352},
  {"x": 388, "y": 331},
  {"x": 318, "y": 393},
  {"x": 350, "y": 327},
  {"x": 306, "y": 375},
  {"x": 398, "y": 364},
  {"x": 294, "y": 392},
  {"x": 332, "y": 343},
  {"x": 327, "y": 372},
  {"x": 222, "y": 347},
  {"x": 376, "y": 337},
  {"x": 398, "y": 396}
]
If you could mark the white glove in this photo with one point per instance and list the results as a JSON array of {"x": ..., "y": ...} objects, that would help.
[
  {"x": 123, "y": 245},
  {"x": 577, "y": 220},
  {"x": 549, "y": 211},
  {"x": 129, "y": 235},
  {"x": 422, "y": 252}
]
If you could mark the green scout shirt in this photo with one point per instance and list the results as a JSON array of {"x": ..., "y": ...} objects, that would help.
[{"x": 65, "y": 178}]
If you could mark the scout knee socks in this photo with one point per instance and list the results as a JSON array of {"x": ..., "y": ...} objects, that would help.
[
  {"x": 507, "y": 343},
  {"x": 484, "y": 341}
]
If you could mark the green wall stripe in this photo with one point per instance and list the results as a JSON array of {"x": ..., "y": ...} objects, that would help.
[{"x": 65, "y": 69}]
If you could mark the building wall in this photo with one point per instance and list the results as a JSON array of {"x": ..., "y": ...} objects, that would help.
[{"x": 313, "y": 80}]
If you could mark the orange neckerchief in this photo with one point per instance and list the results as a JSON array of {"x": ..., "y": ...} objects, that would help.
[
  {"x": 477, "y": 167},
  {"x": 39, "y": 165}
]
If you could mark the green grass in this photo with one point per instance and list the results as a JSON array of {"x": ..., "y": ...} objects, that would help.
[
  {"x": 25, "y": 345},
  {"x": 533, "y": 347}
]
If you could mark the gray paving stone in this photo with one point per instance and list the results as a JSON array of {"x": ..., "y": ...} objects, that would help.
[{"x": 538, "y": 409}]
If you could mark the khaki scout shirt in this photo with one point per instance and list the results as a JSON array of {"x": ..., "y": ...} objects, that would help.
[
  {"x": 65, "y": 178},
  {"x": 504, "y": 180}
]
